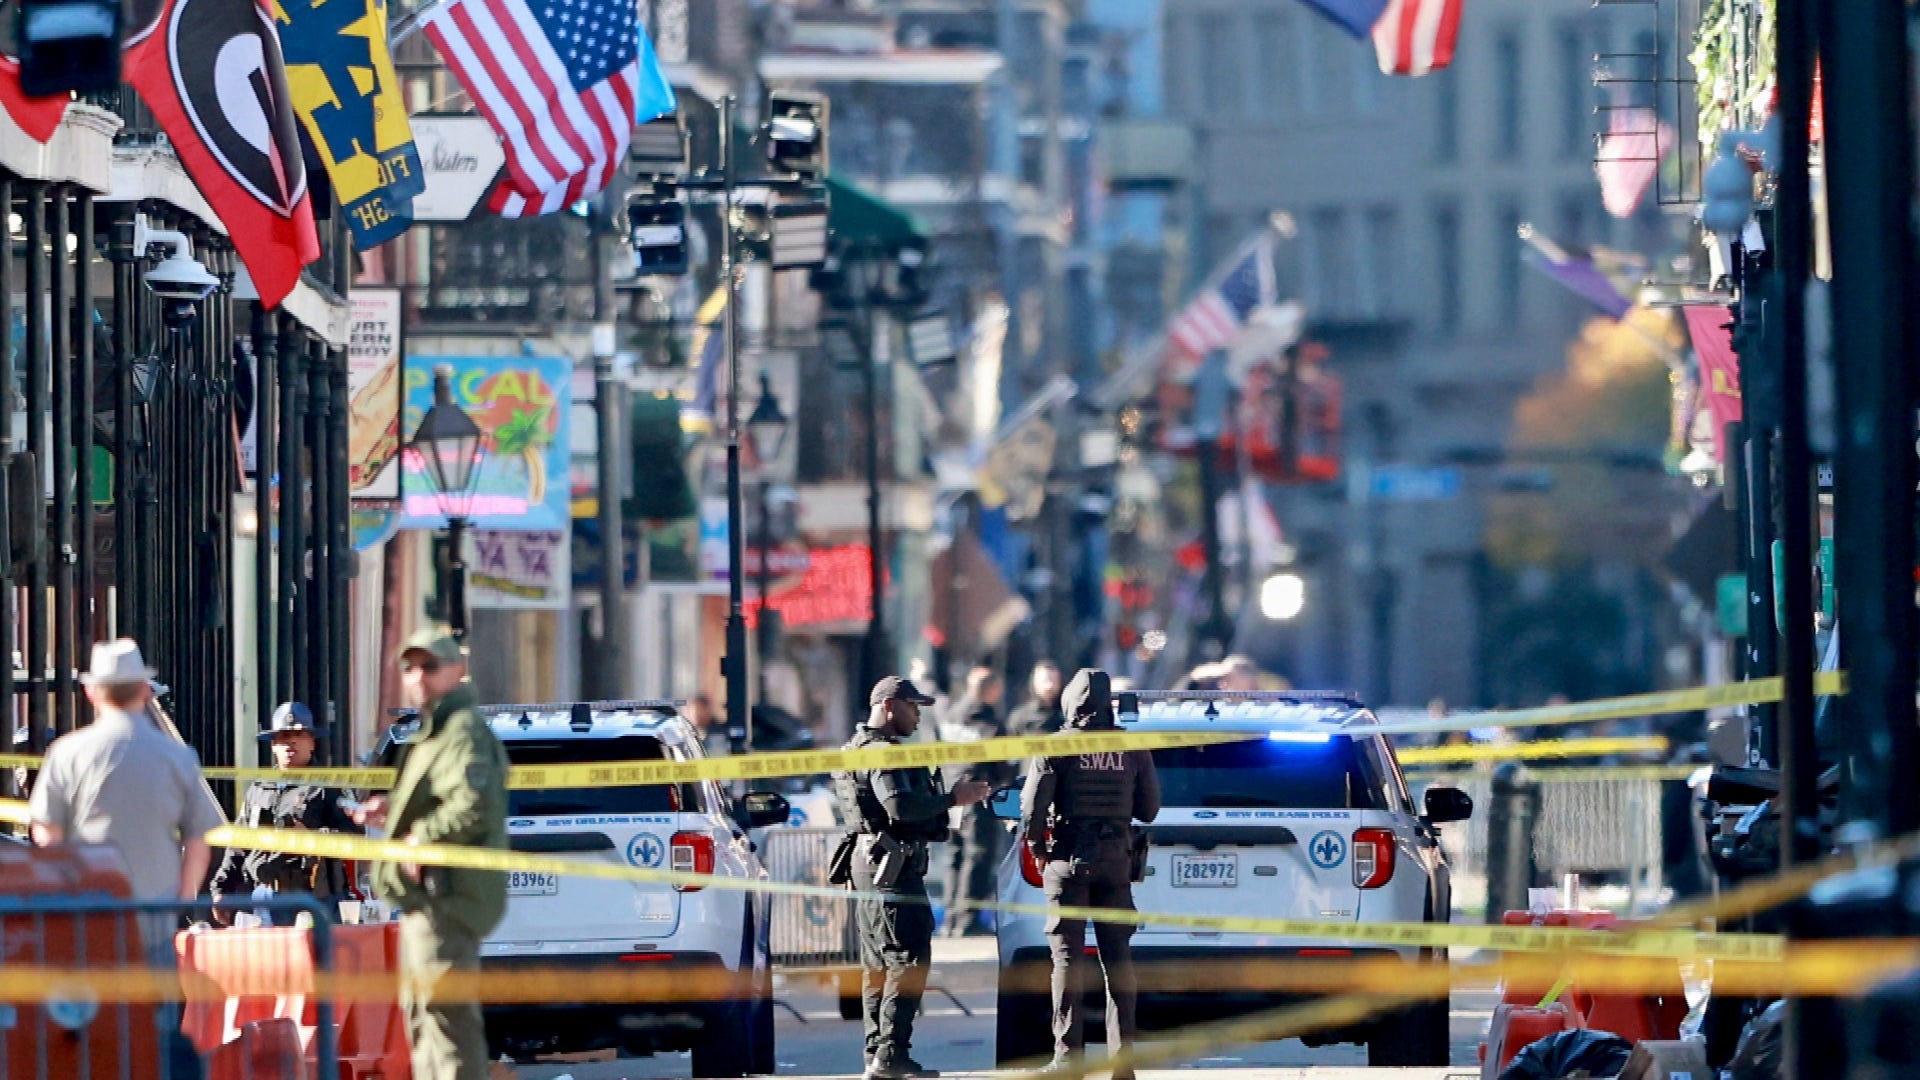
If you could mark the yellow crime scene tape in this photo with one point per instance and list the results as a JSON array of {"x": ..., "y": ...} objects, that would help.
[
  {"x": 1696, "y": 699},
  {"x": 1814, "y": 969},
  {"x": 769, "y": 766},
  {"x": 1532, "y": 751},
  {"x": 1570, "y": 774},
  {"x": 766, "y": 766},
  {"x": 1664, "y": 942}
]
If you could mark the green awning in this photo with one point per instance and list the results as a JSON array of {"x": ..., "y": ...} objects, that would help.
[{"x": 864, "y": 220}]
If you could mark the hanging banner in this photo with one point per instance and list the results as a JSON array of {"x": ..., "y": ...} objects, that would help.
[
  {"x": 373, "y": 394},
  {"x": 374, "y": 523},
  {"x": 519, "y": 571},
  {"x": 522, "y": 404},
  {"x": 459, "y": 157},
  {"x": 1712, "y": 333},
  {"x": 340, "y": 71}
]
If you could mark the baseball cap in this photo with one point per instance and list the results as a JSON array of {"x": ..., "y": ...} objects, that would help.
[
  {"x": 435, "y": 641},
  {"x": 897, "y": 688},
  {"x": 291, "y": 716}
]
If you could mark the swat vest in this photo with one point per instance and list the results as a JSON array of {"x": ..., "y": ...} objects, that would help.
[
  {"x": 862, "y": 809},
  {"x": 1093, "y": 787}
]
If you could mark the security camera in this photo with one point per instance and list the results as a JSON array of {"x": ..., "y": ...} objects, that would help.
[{"x": 179, "y": 279}]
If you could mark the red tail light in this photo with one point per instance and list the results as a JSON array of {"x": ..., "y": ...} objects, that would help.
[
  {"x": 1373, "y": 853},
  {"x": 692, "y": 853},
  {"x": 1029, "y": 866}
]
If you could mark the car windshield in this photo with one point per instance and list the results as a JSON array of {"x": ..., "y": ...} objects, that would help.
[
  {"x": 1268, "y": 774},
  {"x": 647, "y": 799}
]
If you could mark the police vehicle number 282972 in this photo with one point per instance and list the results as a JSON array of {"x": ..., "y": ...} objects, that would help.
[{"x": 1306, "y": 818}]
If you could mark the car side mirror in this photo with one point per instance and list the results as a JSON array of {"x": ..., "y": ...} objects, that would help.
[
  {"x": 764, "y": 808},
  {"x": 1005, "y": 803},
  {"x": 1446, "y": 804}
]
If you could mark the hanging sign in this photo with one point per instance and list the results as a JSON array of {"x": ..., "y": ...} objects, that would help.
[{"x": 373, "y": 394}]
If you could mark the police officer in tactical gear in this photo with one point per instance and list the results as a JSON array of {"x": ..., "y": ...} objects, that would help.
[
  {"x": 283, "y": 805},
  {"x": 896, "y": 813},
  {"x": 1076, "y": 815}
]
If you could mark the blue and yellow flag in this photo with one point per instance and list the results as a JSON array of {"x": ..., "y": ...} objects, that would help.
[{"x": 340, "y": 73}]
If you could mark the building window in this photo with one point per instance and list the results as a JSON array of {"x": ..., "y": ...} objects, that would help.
[
  {"x": 1506, "y": 257},
  {"x": 1570, "y": 226},
  {"x": 1331, "y": 272},
  {"x": 1506, "y": 66},
  {"x": 1377, "y": 252},
  {"x": 1576, "y": 47},
  {"x": 1446, "y": 245},
  {"x": 1223, "y": 74},
  {"x": 1446, "y": 121},
  {"x": 1334, "y": 57},
  {"x": 1274, "y": 38}
]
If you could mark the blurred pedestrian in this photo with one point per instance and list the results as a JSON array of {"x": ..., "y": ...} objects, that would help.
[
  {"x": 286, "y": 804},
  {"x": 452, "y": 789},
  {"x": 120, "y": 781},
  {"x": 1076, "y": 816},
  {"x": 1041, "y": 714},
  {"x": 123, "y": 782},
  {"x": 896, "y": 814},
  {"x": 974, "y": 848},
  {"x": 713, "y": 735}
]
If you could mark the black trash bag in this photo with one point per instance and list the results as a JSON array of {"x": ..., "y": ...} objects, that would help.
[
  {"x": 1757, "y": 1056},
  {"x": 1598, "y": 1053}
]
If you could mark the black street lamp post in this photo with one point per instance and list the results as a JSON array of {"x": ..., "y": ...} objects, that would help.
[
  {"x": 767, "y": 430},
  {"x": 448, "y": 447}
]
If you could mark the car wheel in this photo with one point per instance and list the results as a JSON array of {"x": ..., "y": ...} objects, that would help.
[
  {"x": 762, "y": 1019},
  {"x": 719, "y": 1051},
  {"x": 1417, "y": 1036},
  {"x": 1022, "y": 1033},
  {"x": 848, "y": 984}
]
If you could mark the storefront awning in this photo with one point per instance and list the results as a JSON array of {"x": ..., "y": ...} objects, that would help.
[{"x": 861, "y": 219}]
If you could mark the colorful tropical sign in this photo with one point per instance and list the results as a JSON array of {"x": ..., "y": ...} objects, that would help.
[{"x": 521, "y": 404}]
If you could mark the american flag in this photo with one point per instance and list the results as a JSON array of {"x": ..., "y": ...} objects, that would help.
[
  {"x": 1214, "y": 318},
  {"x": 1631, "y": 151},
  {"x": 558, "y": 80},
  {"x": 1415, "y": 37}
]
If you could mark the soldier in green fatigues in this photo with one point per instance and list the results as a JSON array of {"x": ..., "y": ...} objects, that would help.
[
  {"x": 897, "y": 813},
  {"x": 452, "y": 789}
]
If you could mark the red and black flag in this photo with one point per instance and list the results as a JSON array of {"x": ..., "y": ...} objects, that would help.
[{"x": 212, "y": 73}]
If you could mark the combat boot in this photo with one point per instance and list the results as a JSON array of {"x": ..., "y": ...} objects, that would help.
[{"x": 886, "y": 1067}]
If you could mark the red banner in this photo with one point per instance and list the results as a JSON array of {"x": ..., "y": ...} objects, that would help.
[
  {"x": 212, "y": 74},
  {"x": 1712, "y": 335},
  {"x": 37, "y": 116}
]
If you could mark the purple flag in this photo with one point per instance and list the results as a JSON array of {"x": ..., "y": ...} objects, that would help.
[
  {"x": 1577, "y": 271},
  {"x": 1355, "y": 16}
]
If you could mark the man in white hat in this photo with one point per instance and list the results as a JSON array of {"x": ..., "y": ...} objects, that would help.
[{"x": 121, "y": 781}]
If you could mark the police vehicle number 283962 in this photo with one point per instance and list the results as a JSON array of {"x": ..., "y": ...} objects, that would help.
[{"x": 1308, "y": 818}]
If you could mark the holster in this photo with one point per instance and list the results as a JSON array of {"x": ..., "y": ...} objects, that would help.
[
  {"x": 840, "y": 862},
  {"x": 890, "y": 858},
  {"x": 1138, "y": 843}
]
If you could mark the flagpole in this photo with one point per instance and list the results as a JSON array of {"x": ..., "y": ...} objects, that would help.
[{"x": 404, "y": 27}]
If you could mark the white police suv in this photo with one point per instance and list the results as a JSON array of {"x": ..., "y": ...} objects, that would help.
[
  {"x": 716, "y": 939},
  {"x": 1308, "y": 818}
]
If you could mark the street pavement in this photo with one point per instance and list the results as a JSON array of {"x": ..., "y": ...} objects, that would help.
[{"x": 955, "y": 1035}]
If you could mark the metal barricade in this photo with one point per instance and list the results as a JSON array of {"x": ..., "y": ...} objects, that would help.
[
  {"x": 808, "y": 931},
  {"x": 80, "y": 1030},
  {"x": 1606, "y": 829}
]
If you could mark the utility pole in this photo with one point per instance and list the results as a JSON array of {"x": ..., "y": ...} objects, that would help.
[
  {"x": 609, "y": 399},
  {"x": 734, "y": 667},
  {"x": 1799, "y": 764},
  {"x": 1870, "y": 174},
  {"x": 875, "y": 646}
]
